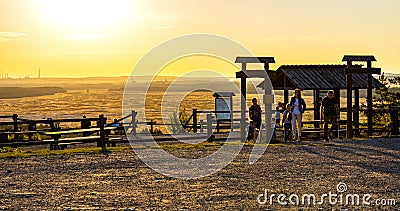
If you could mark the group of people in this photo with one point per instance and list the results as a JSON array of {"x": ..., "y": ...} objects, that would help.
[{"x": 293, "y": 115}]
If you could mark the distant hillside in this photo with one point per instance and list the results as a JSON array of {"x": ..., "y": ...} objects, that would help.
[
  {"x": 392, "y": 75},
  {"x": 19, "y": 92}
]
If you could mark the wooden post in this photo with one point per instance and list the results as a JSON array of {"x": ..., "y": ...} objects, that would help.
[
  {"x": 134, "y": 123},
  {"x": 151, "y": 127},
  {"x": 356, "y": 114},
  {"x": 285, "y": 91},
  {"x": 394, "y": 115},
  {"x": 243, "y": 109},
  {"x": 102, "y": 134},
  {"x": 201, "y": 126},
  {"x": 268, "y": 101},
  {"x": 286, "y": 96},
  {"x": 337, "y": 96},
  {"x": 209, "y": 125},
  {"x": 316, "y": 108},
  {"x": 349, "y": 84},
  {"x": 369, "y": 100},
  {"x": 15, "y": 119},
  {"x": 194, "y": 120}
]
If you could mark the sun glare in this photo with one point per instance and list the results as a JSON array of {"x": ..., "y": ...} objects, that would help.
[{"x": 87, "y": 14}]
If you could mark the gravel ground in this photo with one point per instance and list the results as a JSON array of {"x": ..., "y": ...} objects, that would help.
[{"x": 121, "y": 181}]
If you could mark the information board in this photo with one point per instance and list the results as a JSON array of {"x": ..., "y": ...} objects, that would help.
[{"x": 223, "y": 104}]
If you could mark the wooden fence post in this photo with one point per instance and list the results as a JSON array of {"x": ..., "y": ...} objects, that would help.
[
  {"x": 201, "y": 126},
  {"x": 15, "y": 119},
  {"x": 102, "y": 134},
  {"x": 134, "y": 124},
  {"x": 209, "y": 125},
  {"x": 151, "y": 127},
  {"x": 194, "y": 120}
]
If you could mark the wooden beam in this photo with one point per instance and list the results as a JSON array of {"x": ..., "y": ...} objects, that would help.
[
  {"x": 355, "y": 70},
  {"x": 244, "y": 66},
  {"x": 241, "y": 74},
  {"x": 255, "y": 60},
  {"x": 252, "y": 74},
  {"x": 358, "y": 58}
]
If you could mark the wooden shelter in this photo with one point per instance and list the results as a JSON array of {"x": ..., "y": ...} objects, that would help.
[{"x": 328, "y": 77}]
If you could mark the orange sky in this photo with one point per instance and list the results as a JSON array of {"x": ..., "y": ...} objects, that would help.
[{"x": 80, "y": 38}]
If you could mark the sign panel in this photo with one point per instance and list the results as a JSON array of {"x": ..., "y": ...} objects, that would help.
[{"x": 223, "y": 104}]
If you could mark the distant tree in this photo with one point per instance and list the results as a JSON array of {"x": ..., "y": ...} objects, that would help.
[
  {"x": 384, "y": 98},
  {"x": 178, "y": 120}
]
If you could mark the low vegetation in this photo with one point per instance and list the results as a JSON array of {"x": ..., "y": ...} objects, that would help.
[
  {"x": 10, "y": 152},
  {"x": 20, "y": 92},
  {"x": 15, "y": 152}
]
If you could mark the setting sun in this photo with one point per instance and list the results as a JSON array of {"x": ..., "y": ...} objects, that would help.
[{"x": 87, "y": 14}]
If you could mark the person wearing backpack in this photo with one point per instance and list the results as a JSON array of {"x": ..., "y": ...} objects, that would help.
[{"x": 286, "y": 120}]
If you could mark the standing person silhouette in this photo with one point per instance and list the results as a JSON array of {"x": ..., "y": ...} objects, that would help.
[
  {"x": 255, "y": 113},
  {"x": 298, "y": 106},
  {"x": 287, "y": 122},
  {"x": 330, "y": 110}
]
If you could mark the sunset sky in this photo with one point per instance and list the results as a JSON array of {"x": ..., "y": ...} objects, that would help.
[{"x": 81, "y": 38}]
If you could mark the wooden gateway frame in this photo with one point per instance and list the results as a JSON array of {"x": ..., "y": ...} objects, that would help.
[{"x": 268, "y": 100}]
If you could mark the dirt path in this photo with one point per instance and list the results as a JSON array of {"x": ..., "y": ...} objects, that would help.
[{"x": 123, "y": 181}]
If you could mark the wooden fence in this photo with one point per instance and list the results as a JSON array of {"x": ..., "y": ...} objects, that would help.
[{"x": 18, "y": 128}]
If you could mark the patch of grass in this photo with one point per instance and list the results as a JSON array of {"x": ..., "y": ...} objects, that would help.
[
  {"x": 18, "y": 153},
  {"x": 9, "y": 152}
]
